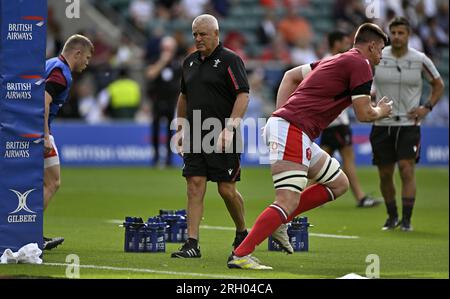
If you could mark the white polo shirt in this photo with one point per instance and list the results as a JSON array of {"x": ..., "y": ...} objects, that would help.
[{"x": 400, "y": 79}]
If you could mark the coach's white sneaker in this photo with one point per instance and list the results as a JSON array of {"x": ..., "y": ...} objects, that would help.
[
  {"x": 280, "y": 236},
  {"x": 246, "y": 262}
]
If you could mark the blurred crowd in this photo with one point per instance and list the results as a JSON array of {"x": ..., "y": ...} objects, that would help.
[{"x": 120, "y": 85}]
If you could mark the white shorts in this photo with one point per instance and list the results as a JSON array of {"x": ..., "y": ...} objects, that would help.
[
  {"x": 52, "y": 158},
  {"x": 289, "y": 143}
]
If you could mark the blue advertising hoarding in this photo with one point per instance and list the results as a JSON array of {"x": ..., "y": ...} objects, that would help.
[
  {"x": 22, "y": 66},
  {"x": 129, "y": 144}
]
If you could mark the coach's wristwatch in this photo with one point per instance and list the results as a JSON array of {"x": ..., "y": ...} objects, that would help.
[{"x": 429, "y": 106}]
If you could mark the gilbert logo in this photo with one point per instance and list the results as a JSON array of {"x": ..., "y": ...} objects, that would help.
[
  {"x": 22, "y": 198},
  {"x": 22, "y": 201}
]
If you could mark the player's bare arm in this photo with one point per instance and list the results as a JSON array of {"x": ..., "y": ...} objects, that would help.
[
  {"x": 365, "y": 112},
  {"x": 47, "y": 144},
  {"x": 437, "y": 89},
  {"x": 181, "y": 116},
  {"x": 239, "y": 108},
  {"x": 291, "y": 80}
]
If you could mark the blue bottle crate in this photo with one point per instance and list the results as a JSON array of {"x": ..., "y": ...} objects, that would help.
[{"x": 298, "y": 235}]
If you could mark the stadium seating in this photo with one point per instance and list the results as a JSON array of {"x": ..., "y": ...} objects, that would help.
[{"x": 246, "y": 15}]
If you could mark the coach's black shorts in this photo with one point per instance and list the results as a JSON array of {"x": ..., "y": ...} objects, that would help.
[
  {"x": 215, "y": 167},
  {"x": 393, "y": 143},
  {"x": 336, "y": 137}
]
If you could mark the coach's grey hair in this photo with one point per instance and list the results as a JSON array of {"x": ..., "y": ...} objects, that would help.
[{"x": 208, "y": 19}]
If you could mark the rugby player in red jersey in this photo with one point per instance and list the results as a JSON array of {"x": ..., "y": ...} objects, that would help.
[{"x": 304, "y": 109}]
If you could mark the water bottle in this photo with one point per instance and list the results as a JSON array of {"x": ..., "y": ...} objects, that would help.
[
  {"x": 294, "y": 234},
  {"x": 183, "y": 229},
  {"x": 156, "y": 228},
  {"x": 160, "y": 237},
  {"x": 166, "y": 212},
  {"x": 141, "y": 237},
  {"x": 132, "y": 226},
  {"x": 175, "y": 230},
  {"x": 129, "y": 234},
  {"x": 304, "y": 238},
  {"x": 152, "y": 241},
  {"x": 181, "y": 212},
  {"x": 171, "y": 228}
]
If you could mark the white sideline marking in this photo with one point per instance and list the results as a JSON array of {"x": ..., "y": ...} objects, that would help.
[
  {"x": 147, "y": 271},
  {"x": 311, "y": 234},
  {"x": 217, "y": 227},
  {"x": 116, "y": 221},
  {"x": 333, "y": 236}
]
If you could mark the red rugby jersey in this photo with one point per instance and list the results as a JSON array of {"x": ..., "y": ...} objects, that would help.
[{"x": 326, "y": 91}]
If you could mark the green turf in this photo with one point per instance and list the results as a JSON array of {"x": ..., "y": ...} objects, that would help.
[{"x": 89, "y": 198}]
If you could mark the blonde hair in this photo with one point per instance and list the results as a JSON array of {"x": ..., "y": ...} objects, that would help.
[{"x": 78, "y": 42}]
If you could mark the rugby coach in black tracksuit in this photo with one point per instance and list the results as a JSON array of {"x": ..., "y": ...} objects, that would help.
[{"x": 214, "y": 87}]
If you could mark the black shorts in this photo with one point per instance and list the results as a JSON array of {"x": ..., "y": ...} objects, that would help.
[
  {"x": 336, "y": 137},
  {"x": 393, "y": 143},
  {"x": 215, "y": 167}
]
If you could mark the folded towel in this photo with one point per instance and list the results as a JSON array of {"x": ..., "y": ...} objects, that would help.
[{"x": 29, "y": 254}]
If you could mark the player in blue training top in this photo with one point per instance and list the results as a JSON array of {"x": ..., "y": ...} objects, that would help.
[{"x": 75, "y": 57}]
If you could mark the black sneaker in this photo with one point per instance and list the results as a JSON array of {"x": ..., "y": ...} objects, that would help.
[
  {"x": 187, "y": 251},
  {"x": 368, "y": 202},
  {"x": 239, "y": 238},
  {"x": 405, "y": 225},
  {"x": 391, "y": 223},
  {"x": 50, "y": 243}
]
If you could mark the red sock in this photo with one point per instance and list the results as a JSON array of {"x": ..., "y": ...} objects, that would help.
[
  {"x": 268, "y": 221},
  {"x": 312, "y": 197}
]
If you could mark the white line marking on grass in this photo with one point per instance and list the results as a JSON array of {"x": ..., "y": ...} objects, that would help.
[
  {"x": 217, "y": 227},
  {"x": 115, "y": 221},
  {"x": 110, "y": 268},
  {"x": 333, "y": 236},
  {"x": 311, "y": 234}
]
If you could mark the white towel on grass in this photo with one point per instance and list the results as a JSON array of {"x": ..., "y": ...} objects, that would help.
[
  {"x": 352, "y": 276},
  {"x": 29, "y": 254}
]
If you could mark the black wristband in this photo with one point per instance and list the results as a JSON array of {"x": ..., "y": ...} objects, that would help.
[{"x": 429, "y": 106}]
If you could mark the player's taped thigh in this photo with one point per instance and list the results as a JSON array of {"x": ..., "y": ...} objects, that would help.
[
  {"x": 293, "y": 180},
  {"x": 329, "y": 172}
]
